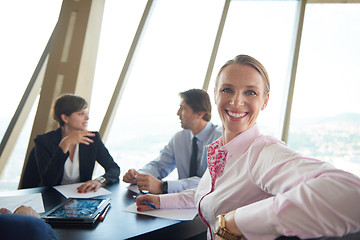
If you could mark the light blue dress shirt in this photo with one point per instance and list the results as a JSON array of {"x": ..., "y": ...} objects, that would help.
[{"x": 176, "y": 154}]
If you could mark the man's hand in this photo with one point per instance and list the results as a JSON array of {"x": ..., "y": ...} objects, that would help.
[
  {"x": 5, "y": 211},
  {"x": 147, "y": 182},
  {"x": 130, "y": 176},
  {"x": 24, "y": 210}
]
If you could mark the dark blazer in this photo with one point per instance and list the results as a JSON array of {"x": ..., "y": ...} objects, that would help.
[
  {"x": 50, "y": 159},
  {"x": 19, "y": 227}
]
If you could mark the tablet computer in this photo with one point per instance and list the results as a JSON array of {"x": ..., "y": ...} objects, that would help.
[{"x": 76, "y": 211}]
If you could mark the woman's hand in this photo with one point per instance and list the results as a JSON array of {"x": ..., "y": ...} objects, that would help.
[
  {"x": 91, "y": 185},
  {"x": 147, "y": 198},
  {"x": 75, "y": 138}
]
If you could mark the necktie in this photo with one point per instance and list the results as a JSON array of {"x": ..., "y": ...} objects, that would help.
[{"x": 193, "y": 159}]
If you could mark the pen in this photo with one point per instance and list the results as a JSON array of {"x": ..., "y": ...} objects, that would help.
[
  {"x": 102, "y": 216},
  {"x": 150, "y": 204},
  {"x": 147, "y": 203}
]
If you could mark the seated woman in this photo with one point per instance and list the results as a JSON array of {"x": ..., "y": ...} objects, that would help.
[
  {"x": 67, "y": 155},
  {"x": 255, "y": 187}
]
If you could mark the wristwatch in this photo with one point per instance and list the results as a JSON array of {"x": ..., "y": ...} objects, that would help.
[
  {"x": 102, "y": 180},
  {"x": 164, "y": 186},
  {"x": 221, "y": 230}
]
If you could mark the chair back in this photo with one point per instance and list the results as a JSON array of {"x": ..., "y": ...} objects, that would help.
[{"x": 31, "y": 176}]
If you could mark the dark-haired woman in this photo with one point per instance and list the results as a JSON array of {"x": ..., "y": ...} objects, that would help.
[{"x": 67, "y": 155}]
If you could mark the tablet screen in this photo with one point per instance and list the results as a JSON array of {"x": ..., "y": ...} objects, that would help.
[{"x": 81, "y": 208}]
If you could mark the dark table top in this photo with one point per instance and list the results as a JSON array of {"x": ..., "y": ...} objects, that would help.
[{"x": 118, "y": 224}]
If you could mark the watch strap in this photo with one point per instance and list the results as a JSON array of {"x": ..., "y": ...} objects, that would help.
[
  {"x": 164, "y": 186},
  {"x": 101, "y": 179},
  {"x": 225, "y": 233}
]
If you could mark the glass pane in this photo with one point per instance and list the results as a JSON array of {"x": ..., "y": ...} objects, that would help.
[
  {"x": 173, "y": 57},
  {"x": 325, "y": 117},
  {"x": 12, "y": 171},
  {"x": 26, "y": 29},
  {"x": 120, "y": 21},
  {"x": 264, "y": 30}
]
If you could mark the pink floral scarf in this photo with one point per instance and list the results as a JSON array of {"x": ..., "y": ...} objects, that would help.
[{"x": 216, "y": 159}]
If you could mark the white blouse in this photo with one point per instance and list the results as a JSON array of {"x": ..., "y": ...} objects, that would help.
[
  {"x": 72, "y": 168},
  {"x": 274, "y": 190}
]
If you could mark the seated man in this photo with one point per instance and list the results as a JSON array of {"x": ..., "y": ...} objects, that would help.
[
  {"x": 25, "y": 223},
  {"x": 195, "y": 115}
]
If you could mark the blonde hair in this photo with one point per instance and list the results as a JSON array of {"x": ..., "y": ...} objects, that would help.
[{"x": 250, "y": 61}]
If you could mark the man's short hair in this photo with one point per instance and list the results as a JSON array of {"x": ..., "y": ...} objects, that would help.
[{"x": 199, "y": 101}]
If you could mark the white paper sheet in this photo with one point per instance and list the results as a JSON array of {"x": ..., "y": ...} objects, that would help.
[
  {"x": 175, "y": 214},
  {"x": 70, "y": 191},
  {"x": 13, "y": 202},
  {"x": 134, "y": 188}
]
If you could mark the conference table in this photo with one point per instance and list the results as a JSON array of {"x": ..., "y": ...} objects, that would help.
[{"x": 118, "y": 224}]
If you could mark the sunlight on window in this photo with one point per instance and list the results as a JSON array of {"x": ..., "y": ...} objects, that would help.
[
  {"x": 173, "y": 56},
  {"x": 325, "y": 117},
  {"x": 25, "y": 33},
  {"x": 264, "y": 30}
]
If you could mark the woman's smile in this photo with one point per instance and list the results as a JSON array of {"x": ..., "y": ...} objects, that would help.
[{"x": 235, "y": 115}]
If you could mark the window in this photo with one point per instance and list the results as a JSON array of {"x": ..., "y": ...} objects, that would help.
[
  {"x": 25, "y": 33},
  {"x": 325, "y": 120},
  {"x": 173, "y": 57},
  {"x": 120, "y": 20},
  {"x": 264, "y": 30},
  {"x": 26, "y": 29}
]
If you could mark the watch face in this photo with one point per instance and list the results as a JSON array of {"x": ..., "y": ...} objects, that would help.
[
  {"x": 217, "y": 225},
  {"x": 101, "y": 179}
]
